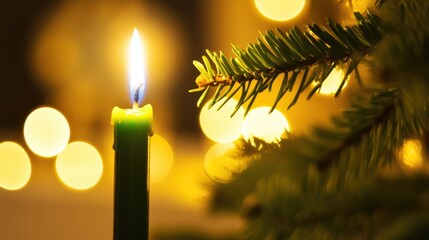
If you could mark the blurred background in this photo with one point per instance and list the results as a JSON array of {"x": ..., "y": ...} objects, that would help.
[{"x": 70, "y": 56}]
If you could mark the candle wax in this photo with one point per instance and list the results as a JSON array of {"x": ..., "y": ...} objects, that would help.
[{"x": 132, "y": 131}]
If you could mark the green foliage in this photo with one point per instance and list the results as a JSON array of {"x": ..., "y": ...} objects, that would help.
[
  {"x": 301, "y": 57},
  {"x": 341, "y": 181},
  {"x": 276, "y": 203}
]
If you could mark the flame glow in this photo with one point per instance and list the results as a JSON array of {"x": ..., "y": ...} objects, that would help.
[{"x": 136, "y": 64}]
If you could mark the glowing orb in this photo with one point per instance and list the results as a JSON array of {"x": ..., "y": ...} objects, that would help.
[
  {"x": 161, "y": 158},
  {"x": 332, "y": 82},
  {"x": 46, "y": 131},
  {"x": 79, "y": 166},
  {"x": 218, "y": 125},
  {"x": 280, "y": 10},
  {"x": 411, "y": 153},
  {"x": 262, "y": 124},
  {"x": 15, "y": 166},
  {"x": 219, "y": 163}
]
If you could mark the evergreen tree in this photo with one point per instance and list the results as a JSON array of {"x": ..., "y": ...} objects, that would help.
[{"x": 343, "y": 181}]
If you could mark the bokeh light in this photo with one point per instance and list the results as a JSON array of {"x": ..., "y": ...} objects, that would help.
[
  {"x": 218, "y": 125},
  {"x": 333, "y": 81},
  {"x": 79, "y": 166},
  {"x": 262, "y": 124},
  {"x": 161, "y": 158},
  {"x": 220, "y": 164},
  {"x": 361, "y": 5},
  {"x": 411, "y": 153},
  {"x": 280, "y": 10},
  {"x": 46, "y": 131},
  {"x": 15, "y": 166}
]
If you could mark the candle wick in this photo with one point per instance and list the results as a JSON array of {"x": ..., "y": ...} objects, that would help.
[
  {"x": 136, "y": 95},
  {"x": 135, "y": 105}
]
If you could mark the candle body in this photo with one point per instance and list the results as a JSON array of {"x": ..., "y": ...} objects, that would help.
[{"x": 132, "y": 131}]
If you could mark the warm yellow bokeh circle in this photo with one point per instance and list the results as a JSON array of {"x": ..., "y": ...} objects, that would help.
[
  {"x": 161, "y": 158},
  {"x": 15, "y": 166},
  {"x": 333, "y": 82},
  {"x": 220, "y": 163},
  {"x": 280, "y": 10},
  {"x": 218, "y": 125},
  {"x": 411, "y": 153},
  {"x": 46, "y": 131},
  {"x": 79, "y": 166},
  {"x": 262, "y": 124}
]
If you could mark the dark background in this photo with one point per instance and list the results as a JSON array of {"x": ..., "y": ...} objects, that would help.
[{"x": 19, "y": 91}]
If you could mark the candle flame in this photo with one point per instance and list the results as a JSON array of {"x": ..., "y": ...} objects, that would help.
[{"x": 136, "y": 64}]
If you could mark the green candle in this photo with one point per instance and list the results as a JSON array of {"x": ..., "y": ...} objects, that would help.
[{"x": 132, "y": 131}]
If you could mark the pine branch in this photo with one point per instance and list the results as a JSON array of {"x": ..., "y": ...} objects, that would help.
[
  {"x": 275, "y": 203},
  {"x": 357, "y": 137},
  {"x": 367, "y": 134},
  {"x": 304, "y": 58},
  {"x": 363, "y": 138},
  {"x": 329, "y": 184},
  {"x": 370, "y": 208}
]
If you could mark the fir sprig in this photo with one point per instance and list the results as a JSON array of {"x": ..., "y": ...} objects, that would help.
[
  {"x": 303, "y": 59},
  {"x": 331, "y": 183},
  {"x": 359, "y": 139},
  {"x": 374, "y": 208}
]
